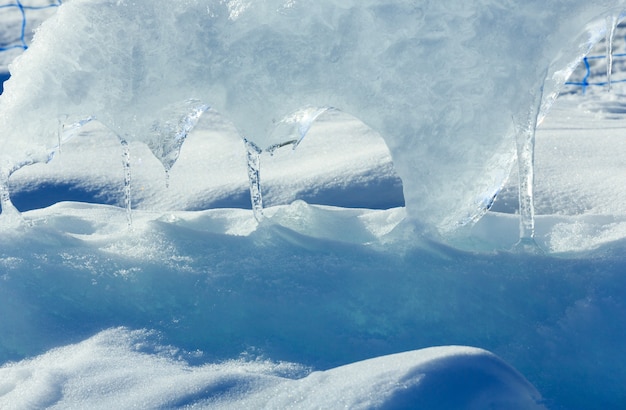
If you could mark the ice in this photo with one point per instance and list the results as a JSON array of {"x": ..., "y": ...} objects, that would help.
[
  {"x": 127, "y": 181},
  {"x": 253, "y": 159},
  {"x": 288, "y": 132},
  {"x": 293, "y": 128},
  {"x": 309, "y": 305},
  {"x": 611, "y": 25},
  {"x": 525, "y": 143},
  {"x": 388, "y": 64},
  {"x": 168, "y": 138}
]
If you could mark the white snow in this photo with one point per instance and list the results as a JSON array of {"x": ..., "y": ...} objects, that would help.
[
  {"x": 337, "y": 297},
  {"x": 317, "y": 287},
  {"x": 114, "y": 370}
]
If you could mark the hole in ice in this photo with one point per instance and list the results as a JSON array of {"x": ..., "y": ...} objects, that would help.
[
  {"x": 208, "y": 172},
  {"x": 87, "y": 169},
  {"x": 340, "y": 162}
]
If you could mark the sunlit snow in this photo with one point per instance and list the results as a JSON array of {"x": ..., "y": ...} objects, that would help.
[{"x": 337, "y": 296}]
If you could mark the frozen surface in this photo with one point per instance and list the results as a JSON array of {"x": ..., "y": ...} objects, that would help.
[
  {"x": 324, "y": 288},
  {"x": 440, "y": 84},
  {"x": 216, "y": 285},
  {"x": 314, "y": 306}
]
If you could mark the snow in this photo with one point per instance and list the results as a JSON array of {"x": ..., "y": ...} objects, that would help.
[
  {"x": 338, "y": 297},
  {"x": 341, "y": 162},
  {"x": 164, "y": 381},
  {"x": 217, "y": 286}
]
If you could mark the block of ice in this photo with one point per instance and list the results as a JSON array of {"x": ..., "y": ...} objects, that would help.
[{"x": 440, "y": 81}]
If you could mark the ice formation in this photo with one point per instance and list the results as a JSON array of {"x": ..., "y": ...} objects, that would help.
[
  {"x": 288, "y": 132},
  {"x": 440, "y": 82},
  {"x": 611, "y": 25},
  {"x": 265, "y": 314}
]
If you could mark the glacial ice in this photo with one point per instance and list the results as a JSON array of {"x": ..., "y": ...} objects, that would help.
[{"x": 449, "y": 126}]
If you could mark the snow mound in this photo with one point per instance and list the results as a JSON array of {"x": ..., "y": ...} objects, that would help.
[{"x": 120, "y": 368}]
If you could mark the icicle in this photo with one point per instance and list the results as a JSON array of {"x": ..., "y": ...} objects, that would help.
[
  {"x": 127, "y": 181},
  {"x": 289, "y": 131},
  {"x": 525, "y": 143},
  {"x": 65, "y": 132},
  {"x": 272, "y": 148},
  {"x": 611, "y": 25},
  {"x": 60, "y": 134},
  {"x": 292, "y": 129},
  {"x": 167, "y": 178},
  {"x": 253, "y": 156},
  {"x": 167, "y": 136}
]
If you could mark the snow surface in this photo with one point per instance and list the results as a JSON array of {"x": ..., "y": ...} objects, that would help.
[
  {"x": 317, "y": 306},
  {"x": 421, "y": 379}
]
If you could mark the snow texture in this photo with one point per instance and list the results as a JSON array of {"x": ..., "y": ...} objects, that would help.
[
  {"x": 313, "y": 306},
  {"x": 428, "y": 378}
]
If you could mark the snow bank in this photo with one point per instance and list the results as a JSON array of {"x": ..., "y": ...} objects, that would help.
[
  {"x": 327, "y": 288},
  {"x": 124, "y": 369}
]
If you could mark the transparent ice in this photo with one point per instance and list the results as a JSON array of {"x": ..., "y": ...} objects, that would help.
[
  {"x": 611, "y": 25},
  {"x": 449, "y": 126},
  {"x": 166, "y": 138}
]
